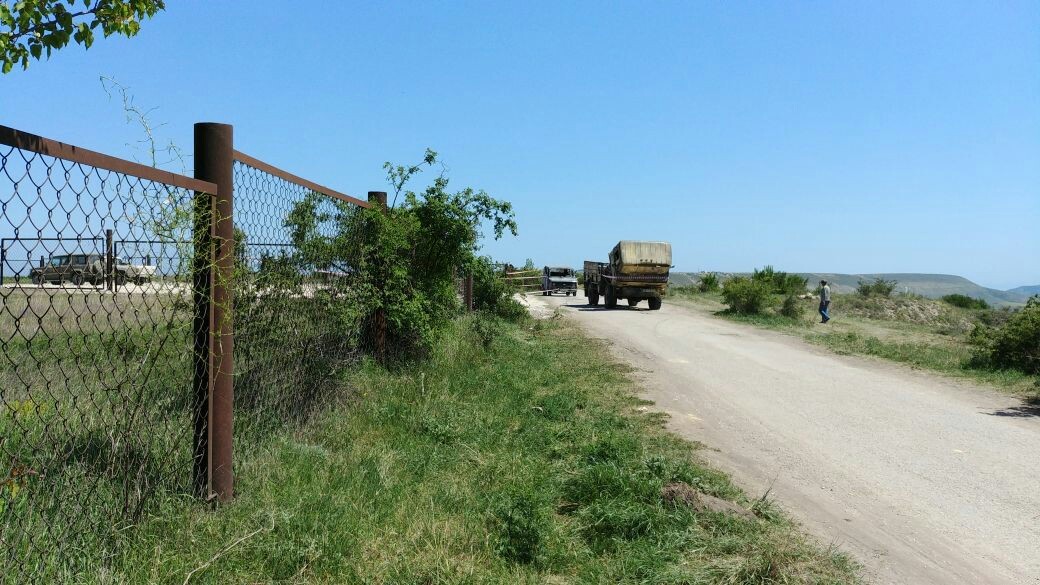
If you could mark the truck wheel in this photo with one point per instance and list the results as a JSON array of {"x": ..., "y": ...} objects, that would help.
[
  {"x": 655, "y": 304},
  {"x": 37, "y": 279},
  {"x": 120, "y": 279},
  {"x": 77, "y": 279},
  {"x": 633, "y": 302},
  {"x": 610, "y": 299},
  {"x": 593, "y": 299}
]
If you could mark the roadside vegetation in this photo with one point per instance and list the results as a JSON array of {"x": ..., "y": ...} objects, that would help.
[
  {"x": 516, "y": 453},
  {"x": 956, "y": 335}
]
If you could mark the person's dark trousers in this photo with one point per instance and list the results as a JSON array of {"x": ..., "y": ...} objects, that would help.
[{"x": 824, "y": 307}]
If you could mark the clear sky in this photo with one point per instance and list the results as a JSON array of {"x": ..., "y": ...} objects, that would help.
[{"x": 823, "y": 137}]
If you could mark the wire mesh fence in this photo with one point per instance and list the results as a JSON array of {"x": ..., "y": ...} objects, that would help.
[
  {"x": 131, "y": 333},
  {"x": 299, "y": 304},
  {"x": 96, "y": 397}
]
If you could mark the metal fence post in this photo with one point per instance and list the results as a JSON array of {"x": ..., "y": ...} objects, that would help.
[
  {"x": 378, "y": 199},
  {"x": 214, "y": 162},
  {"x": 110, "y": 264}
]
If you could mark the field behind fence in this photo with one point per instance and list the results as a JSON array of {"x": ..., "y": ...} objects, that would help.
[{"x": 115, "y": 394}]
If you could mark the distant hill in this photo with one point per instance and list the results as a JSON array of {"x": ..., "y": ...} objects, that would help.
[
  {"x": 1027, "y": 290},
  {"x": 927, "y": 285}
]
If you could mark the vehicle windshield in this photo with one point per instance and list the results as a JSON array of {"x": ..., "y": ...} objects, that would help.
[
  {"x": 59, "y": 260},
  {"x": 561, "y": 272}
]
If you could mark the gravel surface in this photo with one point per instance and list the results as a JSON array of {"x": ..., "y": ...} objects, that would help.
[{"x": 923, "y": 479}]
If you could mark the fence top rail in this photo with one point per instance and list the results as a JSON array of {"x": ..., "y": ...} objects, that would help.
[
  {"x": 53, "y": 148},
  {"x": 273, "y": 170}
]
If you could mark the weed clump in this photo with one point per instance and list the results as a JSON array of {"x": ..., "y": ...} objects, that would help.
[{"x": 520, "y": 523}]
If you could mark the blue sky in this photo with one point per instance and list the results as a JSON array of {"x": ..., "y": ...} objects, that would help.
[{"x": 824, "y": 137}]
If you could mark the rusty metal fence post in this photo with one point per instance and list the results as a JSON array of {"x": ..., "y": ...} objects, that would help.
[
  {"x": 214, "y": 329},
  {"x": 378, "y": 199},
  {"x": 110, "y": 262}
]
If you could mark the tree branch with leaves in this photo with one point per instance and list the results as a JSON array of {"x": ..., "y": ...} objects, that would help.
[{"x": 34, "y": 28}]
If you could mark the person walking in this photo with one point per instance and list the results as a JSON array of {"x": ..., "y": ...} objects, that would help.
[{"x": 825, "y": 301}]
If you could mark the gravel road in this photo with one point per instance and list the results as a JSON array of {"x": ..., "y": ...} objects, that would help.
[{"x": 922, "y": 479}]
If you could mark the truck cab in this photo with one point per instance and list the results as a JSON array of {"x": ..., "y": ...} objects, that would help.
[{"x": 559, "y": 279}]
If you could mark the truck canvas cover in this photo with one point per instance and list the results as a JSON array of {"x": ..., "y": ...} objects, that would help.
[{"x": 638, "y": 253}]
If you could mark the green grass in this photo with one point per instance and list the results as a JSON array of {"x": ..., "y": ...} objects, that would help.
[
  {"x": 921, "y": 333},
  {"x": 514, "y": 455}
]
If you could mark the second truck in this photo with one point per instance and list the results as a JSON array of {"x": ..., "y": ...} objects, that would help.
[{"x": 636, "y": 271}]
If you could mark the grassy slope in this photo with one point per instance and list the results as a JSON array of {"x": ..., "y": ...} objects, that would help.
[
  {"x": 919, "y": 332},
  {"x": 527, "y": 460}
]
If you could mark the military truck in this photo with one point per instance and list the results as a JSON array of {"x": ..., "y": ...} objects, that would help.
[
  {"x": 635, "y": 271},
  {"x": 559, "y": 279},
  {"x": 82, "y": 269}
]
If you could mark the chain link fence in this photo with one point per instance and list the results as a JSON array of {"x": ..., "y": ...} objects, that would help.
[
  {"x": 299, "y": 304},
  {"x": 135, "y": 327},
  {"x": 96, "y": 397}
]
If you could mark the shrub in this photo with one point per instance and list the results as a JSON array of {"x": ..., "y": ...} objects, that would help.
[
  {"x": 401, "y": 262},
  {"x": 744, "y": 295},
  {"x": 780, "y": 282},
  {"x": 792, "y": 308},
  {"x": 493, "y": 294},
  {"x": 965, "y": 302},
  {"x": 995, "y": 317},
  {"x": 709, "y": 282},
  {"x": 1016, "y": 344},
  {"x": 879, "y": 288}
]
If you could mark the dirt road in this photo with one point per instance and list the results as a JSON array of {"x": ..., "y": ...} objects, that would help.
[{"x": 923, "y": 479}]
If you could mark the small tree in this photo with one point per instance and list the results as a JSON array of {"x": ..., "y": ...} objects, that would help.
[{"x": 32, "y": 28}]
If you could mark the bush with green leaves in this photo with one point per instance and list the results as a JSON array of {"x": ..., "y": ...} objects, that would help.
[
  {"x": 878, "y": 288},
  {"x": 792, "y": 307},
  {"x": 491, "y": 293},
  {"x": 36, "y": 29},
  {"x": 401, "y": 261},
  {"x": 965, "y": 302},
  {"x": 745, "y": 296},
  {"x": 780, "y": 282},
  {"x": 1015, "y": 344},
  {"x": 709, "y": 282}
]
